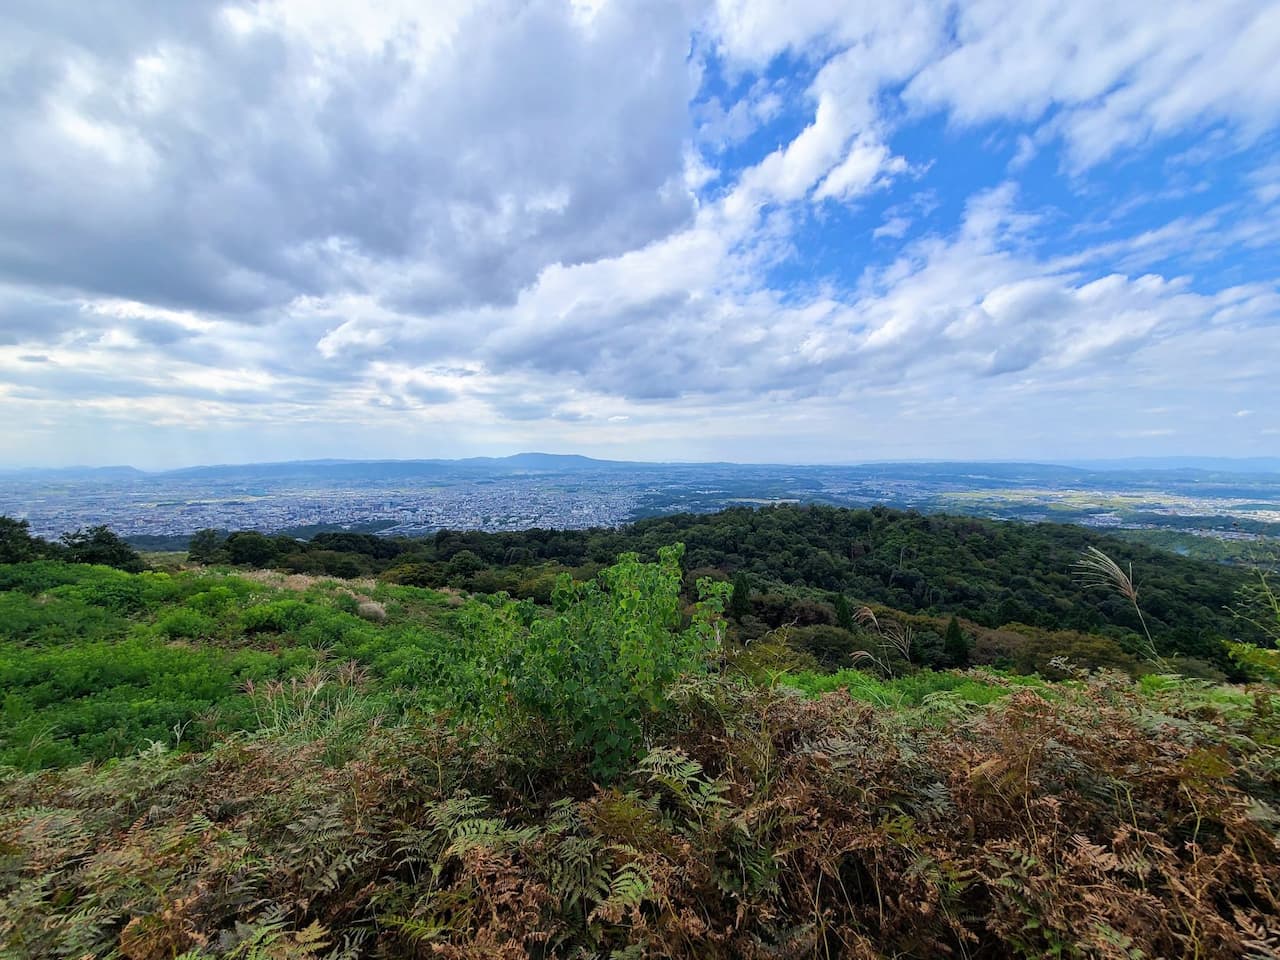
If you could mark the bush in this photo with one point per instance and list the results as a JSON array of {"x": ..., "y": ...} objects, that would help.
[
  {"x": 831, "y": 646},
  {"x": 416, "y": 574},
  {"x": 597, "y": 669},
  {"x": 183, "y": 623},
  {"x": 278, "y": 616}
]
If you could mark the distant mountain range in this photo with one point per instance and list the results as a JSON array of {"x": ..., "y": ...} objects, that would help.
[
  {"x": 531, "y": 462},
  {"x": 1228, "y": 464},
  {"x": 568, "y": 463}
]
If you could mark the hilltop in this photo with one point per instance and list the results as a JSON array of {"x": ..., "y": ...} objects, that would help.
[
  {"x": 630, "y": 761},
  {"x": 795, "y": 561}
]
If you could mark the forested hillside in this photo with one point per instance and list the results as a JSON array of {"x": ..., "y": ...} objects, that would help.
[
  {"x": 797, "y": 562},
  {"x": 319, "y": 769}
]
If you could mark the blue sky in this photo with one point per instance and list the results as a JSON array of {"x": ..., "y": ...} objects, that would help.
[{"x": 669, "y": 229}]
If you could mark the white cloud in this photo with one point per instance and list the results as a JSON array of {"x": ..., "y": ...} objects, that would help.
[
  {"x": 1119, "y": 73},
  {"x": 301, "y": 217},
  {"x": 865, "y": 166},
  {"x": 895, "y": 227},
  {"x": 1100, "y": 74},
  {"x": 236, "y": 158},
  {"x": 1266, "y": 183}
]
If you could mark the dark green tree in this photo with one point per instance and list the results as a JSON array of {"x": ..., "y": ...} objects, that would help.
[
  {"x": 251, "y": 548},
  {"x": 740, "y": 601},
  {"x": 928, "y": 649},
  {"x": 342, "y": 565},
  {"x": 832, "y": 647},
  {"x": 955, "y": 645},
  {"x": 206, "y": 546},
  {"x": 463, "y": 564},
  {"x": 16, "y": 543},
  {"x": 99, "y": 544},
  {"x": 844, "y": 613}
]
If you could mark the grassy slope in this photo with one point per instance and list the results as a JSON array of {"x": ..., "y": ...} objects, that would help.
[
  {"x": 305, "y": 797},
  {"x": 95, "y": 663}
]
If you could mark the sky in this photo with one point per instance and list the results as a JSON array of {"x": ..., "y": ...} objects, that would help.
[{"x": 753, "y": 230}]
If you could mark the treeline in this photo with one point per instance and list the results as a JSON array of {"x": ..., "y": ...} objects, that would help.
[
  {"x": 1008, "y": 589},
  {"x": 96, "y": 544},
  {"x": 802, "y": 567}
]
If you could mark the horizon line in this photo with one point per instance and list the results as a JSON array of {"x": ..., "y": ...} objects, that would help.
[{"x": 1067, "y": 462}]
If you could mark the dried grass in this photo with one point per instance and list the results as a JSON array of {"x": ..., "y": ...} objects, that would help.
[{"x": 1100, "y": 824}]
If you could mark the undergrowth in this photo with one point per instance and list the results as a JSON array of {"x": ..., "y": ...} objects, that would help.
[
  {"x": 416, "y": 775},
  {"x": 973, "y": 686},
  {"x": 1112, "y": 821}
]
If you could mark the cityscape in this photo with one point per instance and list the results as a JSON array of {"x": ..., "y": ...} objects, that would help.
[{"x": 413, "y": 498}]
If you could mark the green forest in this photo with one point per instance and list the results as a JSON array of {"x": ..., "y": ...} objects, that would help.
[
  {"x": 792, "y": 566},
  {"x": 782, "y": 732}
]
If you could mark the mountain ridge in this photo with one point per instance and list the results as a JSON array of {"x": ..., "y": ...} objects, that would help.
[{"x": 537, "y": 461}]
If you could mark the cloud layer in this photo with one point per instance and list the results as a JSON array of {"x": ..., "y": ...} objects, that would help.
[{"x": 757, "y": 230}]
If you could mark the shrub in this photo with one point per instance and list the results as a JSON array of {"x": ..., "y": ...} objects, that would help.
[
  {"x": 831, "y": 646},
  {"x": 184, "y": 623},
  {"x": 1258, "y": 604},
  {"x": 278, "y": 616},
  {"x": 416, "y": 574},
  {"x": 598, "y": 668}
]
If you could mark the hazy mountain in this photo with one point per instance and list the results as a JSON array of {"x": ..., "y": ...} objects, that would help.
[
  {"x": 1238, "y": 465},
  {"x": 73, "y": 473},
  {"x": 1004, "y": 472}
]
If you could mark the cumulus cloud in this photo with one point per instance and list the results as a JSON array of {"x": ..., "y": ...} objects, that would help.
[
  {"x": 312, "y": 221},
  {"x": 235, "y": 157},
  {"x": 1109, "y": 75}
]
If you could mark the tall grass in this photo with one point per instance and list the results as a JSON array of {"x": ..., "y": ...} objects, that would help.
[{"x": 1096, "y": 569}]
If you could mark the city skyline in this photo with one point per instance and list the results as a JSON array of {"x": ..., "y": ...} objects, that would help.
[{"x": 1238, "y": 500}]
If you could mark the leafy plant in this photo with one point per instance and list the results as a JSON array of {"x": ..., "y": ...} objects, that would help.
[
  {"x": 1258, "y": 604},
  {"x": 597, "y": 669}
]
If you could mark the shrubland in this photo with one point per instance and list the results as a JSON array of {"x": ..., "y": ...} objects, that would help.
[
  {"x": 793, "y": 565},
  {"x": 221, "y": 762}
]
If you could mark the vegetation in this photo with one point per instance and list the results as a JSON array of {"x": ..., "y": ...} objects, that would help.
[
  {"x": 1110, "y": 821},
  {"x": 94, "y": 662},
  {"x": 1259, "y": 606},
  {"x": 811, "y": 566},
  {"x": 216, "y": 762},
  {"x": 600, "y": 666},
  {"x": 1202, "y": 544},
  {"x": 87, "y": 545}
]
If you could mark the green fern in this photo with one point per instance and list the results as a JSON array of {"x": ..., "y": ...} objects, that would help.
[
  {"x": 682, "y": 776},
  {"x": 270, "y": 938},
  {"x": 1259, "y": 661},
  {"x": 629, "y": 887}
]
